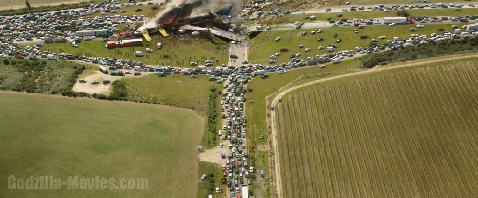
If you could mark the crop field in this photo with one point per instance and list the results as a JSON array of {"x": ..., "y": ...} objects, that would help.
[
  {"x": 179, "y": 49},
  {"x": 264, "y": 44},
  {"x": 408, "y": 133},
  {"x": 64, "y": 136},
  {"x": 374, "y": 14}
]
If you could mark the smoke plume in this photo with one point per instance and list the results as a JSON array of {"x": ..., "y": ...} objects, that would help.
[{"x": 178, "y": 10}]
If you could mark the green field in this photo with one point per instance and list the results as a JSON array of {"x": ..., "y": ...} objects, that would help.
[
  {"x": 374, "y": 14},
  {"x": 264, "y": 44},
  {"x": 57, "y": 136},
  {"x": 179, "y": 49},
  {"x": 406, "y": 133},
  {"x": 174, "y": 90}
]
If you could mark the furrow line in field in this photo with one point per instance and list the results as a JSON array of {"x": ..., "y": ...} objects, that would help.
[
  {"x": 347, "y": 158},
  {"x": 330, "y": 155},
  {"x": 376, "y": 185},
  {"x": 418, "y": 107},
  {"x": 377, "y": 148},
  {"x": 470, "y": 135},
  {"x": 339, "y": 141},
  {"x": 295, "y": 141},
  {"x": 344, "y": 104},
  {"x": 290, "y": 149},
  {"x": 411, "y": 108},
  {"x": 465, "y": 154},
  {"x": 297, "y": 146},
  {"x": 397, "y": 113},
  {"x": 282, "y": 138},
  {"x": 310, "y": 121},
  {"x": 360, "y": 182},
  {"x": 470, "y": 90},
  {"x": 371, "y": 143},
  {"x": 453, "y": 78},
  {"x": 335, "y": 142},
  {"x": 394, "y": 150},
  {"x": 390, "y": 152},
  {"x": 320, "y": 141},
  {"x": 387, "y": 111},
  {"x": 306, "y": 164},
  {"x": 423, "y": 147},
  {"x": 420, "y": 86},
  {"x": 435, "y": 106},
  {"x": 470, "y": 75}
]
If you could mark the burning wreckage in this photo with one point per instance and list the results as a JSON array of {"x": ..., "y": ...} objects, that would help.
[{"x": 179, "y": 18}]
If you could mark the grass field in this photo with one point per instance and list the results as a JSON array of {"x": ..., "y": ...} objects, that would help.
[
  {"x": 63, "y": 137},
  {"x": 264, "y": 44},
  {"x": 179, "y": 49},
  {"x": 176, "y": 90},
  {"x": 374, "y": 14},
  {"x": 205, "y": 185},
  {"x": 408, "y": 133}
]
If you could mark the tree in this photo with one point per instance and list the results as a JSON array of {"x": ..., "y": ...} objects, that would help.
[
  {"x": 403, "y": 13},
  {"x": 29, "y": 6}
]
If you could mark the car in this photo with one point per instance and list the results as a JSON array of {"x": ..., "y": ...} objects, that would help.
[
  {"x": 261, "y": 137},
  {"x": 322, "y": 66},
  {"x": 221, "y": 145},
  {"x": 218, "y": 190},
  {"x": 241, "y": 181}
]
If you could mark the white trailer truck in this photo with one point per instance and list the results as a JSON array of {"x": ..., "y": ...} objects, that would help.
[
  {"x": 245, "y": 191},
  {"x": 396, "y": 20}
]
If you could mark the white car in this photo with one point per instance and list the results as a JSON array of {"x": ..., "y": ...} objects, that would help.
[
  {"x": 392, "y": 24},
  {"x": 420, "y": 26},
  {"x": 221, "y": 145}
]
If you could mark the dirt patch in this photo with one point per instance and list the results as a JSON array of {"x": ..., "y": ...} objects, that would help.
[
  {"x": 212, "y": 155},
  {"x": 92, "y": 75},
  {"x": 263, "y": 147}
]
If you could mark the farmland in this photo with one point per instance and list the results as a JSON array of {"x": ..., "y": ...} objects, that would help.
[
  {"x": 264, "y": 44},
  {"x": 64, "y": 136},
  {"x": 404, "y": 133}
]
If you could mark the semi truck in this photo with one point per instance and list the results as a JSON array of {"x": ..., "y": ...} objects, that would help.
[
  {"x": 398, "y": 20},
  {"x": 124, "y": 43}
]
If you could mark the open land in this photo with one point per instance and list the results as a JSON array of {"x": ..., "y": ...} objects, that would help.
[
  {"x": 66, "y": 136},
  {"x": 385, "y": 138},
  {"x": 265, "y": 45},
  {"x": 180, "y": 50},
  {"x": 370, "y": 14}
]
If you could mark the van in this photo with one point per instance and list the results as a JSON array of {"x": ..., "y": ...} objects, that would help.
[
  {"x": 139, "y": 54},
  {"x": 330, "y": 49}
]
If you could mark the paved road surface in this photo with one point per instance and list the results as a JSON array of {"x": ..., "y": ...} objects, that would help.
[{"x": 240, "y": 50}]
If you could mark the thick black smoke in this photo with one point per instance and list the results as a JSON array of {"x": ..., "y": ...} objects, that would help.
[{"x": 179, "y": 10}]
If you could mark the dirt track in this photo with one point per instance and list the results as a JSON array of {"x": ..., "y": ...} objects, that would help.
[{"x": 271, "y": 121}]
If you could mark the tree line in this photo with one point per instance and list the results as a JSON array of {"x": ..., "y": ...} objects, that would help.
[{"x": 420, "y": 51}]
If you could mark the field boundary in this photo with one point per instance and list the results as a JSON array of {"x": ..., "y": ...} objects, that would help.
[{"x": 276, "y": 188}]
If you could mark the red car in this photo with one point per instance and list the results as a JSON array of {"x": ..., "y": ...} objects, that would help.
[{"x": 242, "y": 181}]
